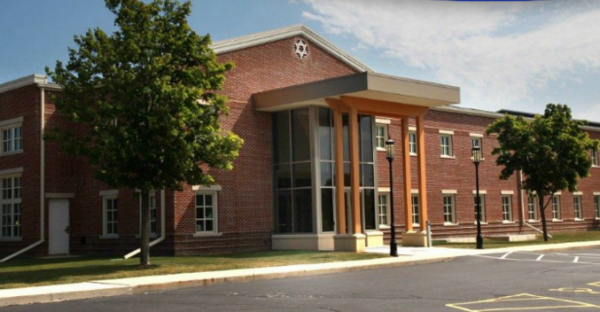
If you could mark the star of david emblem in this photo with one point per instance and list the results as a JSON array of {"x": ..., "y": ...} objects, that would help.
[{"x": 301, "y": 48}]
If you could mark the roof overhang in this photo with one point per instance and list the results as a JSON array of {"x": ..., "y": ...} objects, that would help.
[{"x": 367, "y": 85}]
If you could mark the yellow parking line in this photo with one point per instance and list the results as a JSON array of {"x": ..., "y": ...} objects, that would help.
[{"x": 496, "y": 304}]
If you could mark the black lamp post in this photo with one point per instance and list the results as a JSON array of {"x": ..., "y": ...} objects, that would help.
[
  {"x": 389, "y": 144},
  {"x": 477, "y": 158}
]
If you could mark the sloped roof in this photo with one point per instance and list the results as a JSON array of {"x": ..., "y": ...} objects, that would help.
[{"x": 255, "y": 39}]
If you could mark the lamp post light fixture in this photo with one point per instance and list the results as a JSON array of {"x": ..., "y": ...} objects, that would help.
[
  {"x": 389, "y": 144},
  {"x": 477, "y": 159}
]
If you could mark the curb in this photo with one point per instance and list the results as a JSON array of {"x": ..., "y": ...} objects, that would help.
[{"x": 57, "y": 293}]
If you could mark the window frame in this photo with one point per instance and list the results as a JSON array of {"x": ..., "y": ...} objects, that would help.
[
  {"x": 578, "y": 207},
  {"x": 507, "y": 216},
  {"x": 378, "y": 137},
  {"x": 215, "y": 215},
  {"x": 11, "y": 126},
  {"x": 556, "y": 209},
  {"x": 482, "y": 203},
  {"x": 532, "y": 203},
  {"x": 152, "y": 203},
  {"x": 595, "y": 158},
  {"x": 597, "y": 206},
  {"x": 386, "y": 205},
  {"x": 15, "y": 208},
  {"x": 452, "y": 208},
  {"x": 416, "y": 218},
  {"x": 105, "y": 218},
  {"x": 446, "y": 148},
  {"x": 413, "y": 148}
]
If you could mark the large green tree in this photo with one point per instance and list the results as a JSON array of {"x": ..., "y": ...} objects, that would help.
[
  {"x": 144, "y": 104},
  {"x": 551, "y": 150}
]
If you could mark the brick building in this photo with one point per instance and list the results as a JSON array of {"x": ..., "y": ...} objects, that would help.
[{"x": 298, "y": 176}]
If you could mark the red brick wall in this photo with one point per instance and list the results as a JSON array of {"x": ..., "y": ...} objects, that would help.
[
  {"x": 246, "y": 202},
  {"x": 24, "y": 102}
]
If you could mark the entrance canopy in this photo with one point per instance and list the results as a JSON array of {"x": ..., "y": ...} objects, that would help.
[
  {"x": 370, "y": 94},
  {"x": 366, "y": 85}
]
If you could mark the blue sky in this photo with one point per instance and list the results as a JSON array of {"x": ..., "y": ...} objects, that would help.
[{"x": 513, "y": 55}]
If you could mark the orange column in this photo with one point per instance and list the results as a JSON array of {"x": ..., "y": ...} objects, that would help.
[
  {"x": 406, "y": 173},
  {"x": 422, "y": 171},
  {"x": 340, "y": 198},
  {"x": 354, "y": 170}
]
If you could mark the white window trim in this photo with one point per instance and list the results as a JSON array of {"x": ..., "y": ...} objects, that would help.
[
  {"x": 416, "y": 142},
  {"x": 387, "y": 194},
  {"x": 559, "y": 208},
  {"x": 383, "y": 121},
  {"x": 152, "y": 235},
  {"x": 215, "y": 218},
  {"x": 510, "y": 214},
  {"x": 450, "y": 145},
  {"x": 415, "y": 193},
  {"x": 211, "y": 188},
  {"x": 449, "y": 192},
  {"x": 481, "y": 192},
  {"x": 13, "y": 201},
  {"x": 104, "y": 219},
  {"x": 507, "y": 193},
  {"x": 455, "y": 223},
  {"x": 483, "y": 211},
  {"x": 597, "y": 164},
  {"x": 109, "y": 193},
  {"x": 580, "y": 196},
  {"x": 9, "y": 124},
  {"x": 384, "y": 125}
]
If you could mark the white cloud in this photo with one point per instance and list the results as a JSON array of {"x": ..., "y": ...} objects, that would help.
[
  {"x": 591, "y": 113},
  {"x": 499, "y": 53}
]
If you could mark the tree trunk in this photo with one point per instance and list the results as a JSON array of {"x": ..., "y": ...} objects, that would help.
[
  {"x": 145, "y": 238},
  {"x": 543, "y": 214}
]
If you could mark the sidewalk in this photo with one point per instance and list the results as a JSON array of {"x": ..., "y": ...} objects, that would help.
[{"x": 138, "y": 285}]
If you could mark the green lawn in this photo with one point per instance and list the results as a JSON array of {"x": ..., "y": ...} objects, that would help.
[
  {"x": 36, "y": 272},
  {"x": 556, "y": 238}
]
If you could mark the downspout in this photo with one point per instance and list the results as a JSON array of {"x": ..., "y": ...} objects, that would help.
[
  {"x": 42, "y": 180},
  {"x": 162, "y": 227}
]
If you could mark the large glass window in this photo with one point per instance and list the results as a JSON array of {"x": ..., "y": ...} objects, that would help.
[
  {"x": 12, "y": 138},
  {"x": 293, "y": 170},
  {"x": 446, "y": 145},
  {"x": 206, "y": 212},
  {"x": 412, "y": 142},
  {"x": 414, "y": 198},
  {"x": 111, "y": 205},
  {"x": 595, "y": 160},
  {"x": 381, "y": 136},
  {"x": 577, "y": 210},
  {"x": 11, "y": 207},
  {"x": 482, "y": 207},
  {"x": 384, "y": 209}
]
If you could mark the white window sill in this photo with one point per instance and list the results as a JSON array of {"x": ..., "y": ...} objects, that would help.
[
  {"x": 532, "y": 221},
  {"x": 413, "y": 154},
  {"x": 508, "y": 222},
  {"x": 384, "y": 227},
  {"x": 596, "y": 218},
  {"x": 381, "y": 149},
  {"x": 11, "y": 153},
  {"x": 109, "y": 236},
  {"x": 595, "y": 166},
  {"x": 450, "y": 224},
  {"x": 416, "y": 225},
  {"x": 557, "y": 220},
  {"x": 11, "y": 239},
  {"x": 481, "y": 222},
  {"x": 207, "y": 234},
  {"x": 447, "y": 157},
  {"x": 578, "y": 219}
]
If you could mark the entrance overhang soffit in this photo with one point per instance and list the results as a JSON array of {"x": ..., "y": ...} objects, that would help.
[{"x": 369, "y": 93}]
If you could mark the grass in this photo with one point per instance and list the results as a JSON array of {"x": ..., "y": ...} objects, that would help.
[
  {"x": 38, "y": 272},
  {"x": 556, "y": 238}
]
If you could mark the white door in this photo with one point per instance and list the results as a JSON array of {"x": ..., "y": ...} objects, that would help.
[{"x": 58, "y": 231}]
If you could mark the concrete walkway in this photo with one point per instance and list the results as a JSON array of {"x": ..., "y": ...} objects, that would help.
[{"x": 138, "y": 285}]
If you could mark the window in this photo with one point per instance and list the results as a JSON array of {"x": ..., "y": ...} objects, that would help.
[
  {"x": 12, "y": 139},
  {"x": 597, "y": 206},
  {"x": 506, "y": 208},
  {"x": 415, "y": 209},
  {"x": 595, "y": 160},
  {"x": 556, "y": 207},
  {"x": 449, "y": 211},
  {"x": 384, "y": 209},
  {"x": 206, "y": 212},
  {"x": 381, "y": 136},
  {"x": 482, "y": 204},
  {"x": 446, "y": 145},
  {"x": 111, "y": 205},
  {"x": 412, "y": 142},
  {"x": 577, "y": 211},
  {"x": 532, "y": 207},
  {"x": 11, "y": 207},
  {"x": 476, "y": 142},
  {"x": 152, "y": 204}
]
